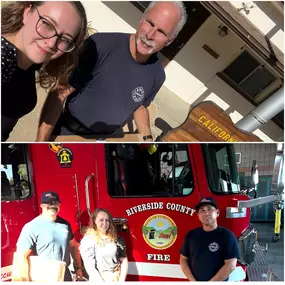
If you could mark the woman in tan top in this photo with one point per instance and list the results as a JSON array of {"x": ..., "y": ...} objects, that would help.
[{"x": 102, "y": 250}]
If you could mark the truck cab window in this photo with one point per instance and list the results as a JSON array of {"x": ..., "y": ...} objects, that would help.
[
  {"x": 147, "y": 170},
  {"x": 15, "y": 181},
  {"x": 220, "y": 167}
]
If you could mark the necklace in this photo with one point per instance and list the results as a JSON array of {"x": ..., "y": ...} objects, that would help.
[
  {"x": 103, "y": 241},
  {"x": 104, "y": 238}
]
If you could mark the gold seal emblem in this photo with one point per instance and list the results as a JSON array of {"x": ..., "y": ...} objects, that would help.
[{"x": 159, "y": 231}]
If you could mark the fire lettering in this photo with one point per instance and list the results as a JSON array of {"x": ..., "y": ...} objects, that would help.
[{"x": 161, "y": 257}]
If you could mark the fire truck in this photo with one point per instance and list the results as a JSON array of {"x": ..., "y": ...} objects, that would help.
[{"x": 150, "y": 189}]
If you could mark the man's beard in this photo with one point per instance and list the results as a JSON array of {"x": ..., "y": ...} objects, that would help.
[
  {"x": 53, "y": 208},
  {"x": 144, "y": 40}
]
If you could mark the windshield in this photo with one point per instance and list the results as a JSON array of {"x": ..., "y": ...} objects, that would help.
[
  {"x": 143, "y": 170},
  {"x": 221, "y": 168},
  {"x": 15, "y": 180}
]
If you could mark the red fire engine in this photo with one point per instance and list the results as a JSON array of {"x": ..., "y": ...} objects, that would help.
[{"x": 151, "y": 191}]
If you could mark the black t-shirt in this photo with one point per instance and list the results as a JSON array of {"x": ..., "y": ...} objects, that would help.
[
  {"x": 206, "y": 251},
  {"x": 18, "y": 88},
  {"x": 110, "y": 84}
]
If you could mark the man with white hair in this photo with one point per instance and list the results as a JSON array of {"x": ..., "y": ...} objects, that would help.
[{"x": 118, "y": 76}]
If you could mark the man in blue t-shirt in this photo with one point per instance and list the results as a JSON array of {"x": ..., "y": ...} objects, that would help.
[
  {"x": 209, "y": 253},
  {"x": 117, "y": 77},
  {"x": 48, "y": 236}
]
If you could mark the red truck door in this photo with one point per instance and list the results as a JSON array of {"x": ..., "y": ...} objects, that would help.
[
  {"x": 140, "y": 191},
  {"x": 18, "y": 200},
  {"x": 69, "y": 170}
]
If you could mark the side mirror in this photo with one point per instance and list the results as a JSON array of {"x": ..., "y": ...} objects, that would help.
[{"x": 254, "y": 174}]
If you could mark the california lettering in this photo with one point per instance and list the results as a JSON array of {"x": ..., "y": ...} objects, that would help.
[
  {"x": 159, "y": 206},
  {"x": 214, "y": 128}
]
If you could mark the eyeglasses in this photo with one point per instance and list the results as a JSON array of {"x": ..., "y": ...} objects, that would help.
[{"x": 46, "y": 30}]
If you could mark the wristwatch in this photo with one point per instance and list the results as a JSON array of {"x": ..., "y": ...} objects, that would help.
[{"x": 147, "y": 137}]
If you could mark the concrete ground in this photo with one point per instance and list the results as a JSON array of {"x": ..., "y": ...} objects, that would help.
[
  {"x": 275, "y": 252},
  {"x": 166, "y": 110}
]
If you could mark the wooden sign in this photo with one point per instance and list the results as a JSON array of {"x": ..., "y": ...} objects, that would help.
[
  {"x": 207, "y": 122},
  {"x": 40, "y": 269}
]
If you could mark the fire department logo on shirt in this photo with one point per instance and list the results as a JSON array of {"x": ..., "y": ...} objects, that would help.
[
  {"x": 213, "y": 246},
  {"x": 138, "y": 94},
  {"x": 159, "y": 231}
]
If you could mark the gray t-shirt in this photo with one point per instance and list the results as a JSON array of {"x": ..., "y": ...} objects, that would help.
[
  {"x": 49, "y": 239},
  {"x": 104, "y": 258}
]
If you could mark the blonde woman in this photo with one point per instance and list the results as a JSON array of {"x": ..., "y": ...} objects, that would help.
[
  {"x": 102, "y": 250},
  {"x": 36, "y": 36}
]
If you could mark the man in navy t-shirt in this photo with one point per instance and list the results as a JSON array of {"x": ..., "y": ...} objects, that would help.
[
  {"x": 117, "y": 77},
  {"x": 209, "y": 253}
]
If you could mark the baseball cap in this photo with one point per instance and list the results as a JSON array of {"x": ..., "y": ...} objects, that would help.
[
  {"x": 206, "y": 201},
  {"x": 49, "y": 197}
]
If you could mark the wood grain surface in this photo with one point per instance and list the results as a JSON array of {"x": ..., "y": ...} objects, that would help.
[{"x": 207, "y": 122}]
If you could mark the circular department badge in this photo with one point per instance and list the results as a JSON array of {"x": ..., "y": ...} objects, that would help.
[
  {"x": 138, "y": 94},
  {"x": 159, "y": 231},
  {"x": 213, "y": 246}
]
